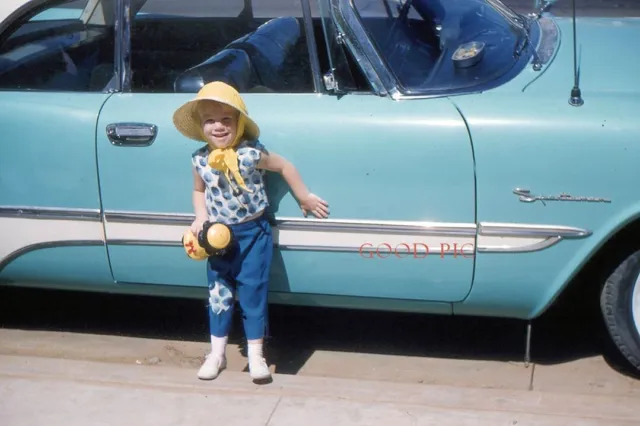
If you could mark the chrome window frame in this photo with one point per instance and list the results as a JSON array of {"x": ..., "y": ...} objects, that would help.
[
  {"x": 122, "y": 58},
  {"x": 375, "y": 68},
  {"x": 312, "y": 47},
  {"x": 354, "y": 35},
  {"x": 33, "y": 6}
]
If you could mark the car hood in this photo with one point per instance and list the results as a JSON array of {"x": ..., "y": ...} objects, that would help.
[{"x": 607, "y": 57}]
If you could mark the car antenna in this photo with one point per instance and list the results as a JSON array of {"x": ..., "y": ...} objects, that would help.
[{"x": 576, "y": 95}]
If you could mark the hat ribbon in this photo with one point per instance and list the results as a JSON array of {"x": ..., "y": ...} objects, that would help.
[{"x": 226, "y": 159}]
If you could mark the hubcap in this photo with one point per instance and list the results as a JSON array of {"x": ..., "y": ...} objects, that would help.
[{"x": 635, "y": 304}]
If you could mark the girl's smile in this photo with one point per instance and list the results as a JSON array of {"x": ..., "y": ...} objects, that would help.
[{"x": 219, "y": 123}]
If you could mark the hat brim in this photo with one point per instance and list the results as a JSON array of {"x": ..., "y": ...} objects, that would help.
[{"x": 186, "y": 120}]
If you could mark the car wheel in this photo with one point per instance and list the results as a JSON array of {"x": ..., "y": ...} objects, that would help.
[{"x": 620, "y": 305}]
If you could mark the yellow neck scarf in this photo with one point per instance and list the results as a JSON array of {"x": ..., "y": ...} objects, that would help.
[{"x": 226, "y": 159}]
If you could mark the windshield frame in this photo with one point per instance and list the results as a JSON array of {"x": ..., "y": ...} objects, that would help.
[
  {"x": 517, "y": 20},
  {"x": 384, "y": 80}
]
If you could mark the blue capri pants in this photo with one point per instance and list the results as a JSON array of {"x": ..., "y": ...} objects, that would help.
[{"x": 243, "y": 272}]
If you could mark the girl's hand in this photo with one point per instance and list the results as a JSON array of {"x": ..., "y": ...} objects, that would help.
[
  {"x": 196, "y": 226},
  {"x": 316, "y": 205}
]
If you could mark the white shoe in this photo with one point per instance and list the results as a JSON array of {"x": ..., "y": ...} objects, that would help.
[
  {"x": 212, "y": 366},
  {"x": 258, "y": 368}
]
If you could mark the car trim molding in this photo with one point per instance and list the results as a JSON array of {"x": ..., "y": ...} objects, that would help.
[
  {"x": 54, "y": 227},
  {"x": 304, "y": 234},
  {"x": 325, "y": 225},
  {"x": 531, "y": 230},
  {"x": 139, "y": 228},
  {"x": 51, "y": 213},
  {"x": 6, "y": 260},
  {"x": 541, "y": 244},
  {"x": 26, "y": 229}
]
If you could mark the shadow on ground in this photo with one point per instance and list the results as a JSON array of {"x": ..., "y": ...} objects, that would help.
[{"x": 296, "y": 332}]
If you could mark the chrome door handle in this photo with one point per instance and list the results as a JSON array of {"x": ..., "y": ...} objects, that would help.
[{"x": 132, "y": 134}]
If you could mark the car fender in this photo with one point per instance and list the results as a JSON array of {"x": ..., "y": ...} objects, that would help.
[
  {"x": 538, "y": 142},
  {"x": 599, "y": 239}
]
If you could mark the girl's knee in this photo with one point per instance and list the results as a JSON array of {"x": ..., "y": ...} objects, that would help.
[{"x": 220, "y": 297}]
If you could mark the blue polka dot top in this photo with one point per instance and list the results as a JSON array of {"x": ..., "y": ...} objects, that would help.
[{"x": 226, "y": 201}]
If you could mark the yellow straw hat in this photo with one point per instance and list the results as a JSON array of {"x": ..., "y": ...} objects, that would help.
[{"x": 187, "y": 121}]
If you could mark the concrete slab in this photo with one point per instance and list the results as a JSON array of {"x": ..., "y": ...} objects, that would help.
[
  {"x": 27, "y": 402},
  {"x": 585, "y": 376},
  {"x": 396, "y": 368},
  {"x": 109, "y": 348},
  {"x": 414, "y": 369},
  {"x": 114, "y": 349},
  {"x": 325, "y": 411},
  {"x": 350, "y": 399}
]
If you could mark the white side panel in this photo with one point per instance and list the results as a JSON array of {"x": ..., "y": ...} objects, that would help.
[{"x": 18, "y": 233}]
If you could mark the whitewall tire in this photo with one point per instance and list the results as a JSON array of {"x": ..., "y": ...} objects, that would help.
[{"x": 620, "y": 305}]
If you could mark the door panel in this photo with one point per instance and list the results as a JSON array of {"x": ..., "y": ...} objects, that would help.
[
  {"x": 385, "y": 167},
  {"x": 53, "y": 70},
  {"x": 49, "y": 196},
  {"x": 371, "y": 158}
]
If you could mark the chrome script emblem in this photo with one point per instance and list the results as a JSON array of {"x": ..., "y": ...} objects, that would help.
[{"x": 526, "y": 197}]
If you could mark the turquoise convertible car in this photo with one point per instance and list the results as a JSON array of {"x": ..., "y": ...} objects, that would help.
[{"x": 476, "y": 160}]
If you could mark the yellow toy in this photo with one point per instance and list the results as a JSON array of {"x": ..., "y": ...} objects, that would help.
[
  {"x": 190, "y": 243},
  {"x": 216, "y": 238},
  {"x": 213, "y": 240}
]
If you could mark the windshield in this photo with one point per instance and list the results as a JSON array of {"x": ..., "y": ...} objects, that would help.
[{"x": 444, "y": 46}]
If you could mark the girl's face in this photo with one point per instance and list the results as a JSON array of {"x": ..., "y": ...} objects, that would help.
[{"x": 219, "y": 123}]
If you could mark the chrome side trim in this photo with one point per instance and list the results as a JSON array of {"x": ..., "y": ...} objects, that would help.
[
  {"x": 373, "y": 249},
  {"x": 516, "y": 235},
  {"x": 550, "y": 235},
  {"x": 149, "y": 218},
  {"x": 155, "y": 243},
  {"x": 302, "y": 224},
  {"x": 486, "y": 248},
  {"x": 50, "y": 213},
  {"x": 385, "y": 227},
  {"x": 364, "y": 225},
  {"x": 527, "y": 230},
  {"x": 44, "y": 245},
  {"x": 401, "y": 97},
  {"x": 343, "y": 249}
]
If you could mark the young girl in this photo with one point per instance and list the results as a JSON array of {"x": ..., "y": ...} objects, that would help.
[{"x": 229, "y": 188}]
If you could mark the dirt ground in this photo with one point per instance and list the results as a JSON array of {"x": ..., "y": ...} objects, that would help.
[{"x": 569, "y": 354}]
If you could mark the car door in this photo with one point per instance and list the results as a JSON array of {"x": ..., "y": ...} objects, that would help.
[
  {"x": 56, "y": 60},
  {"x": 398, "y": 176}
]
